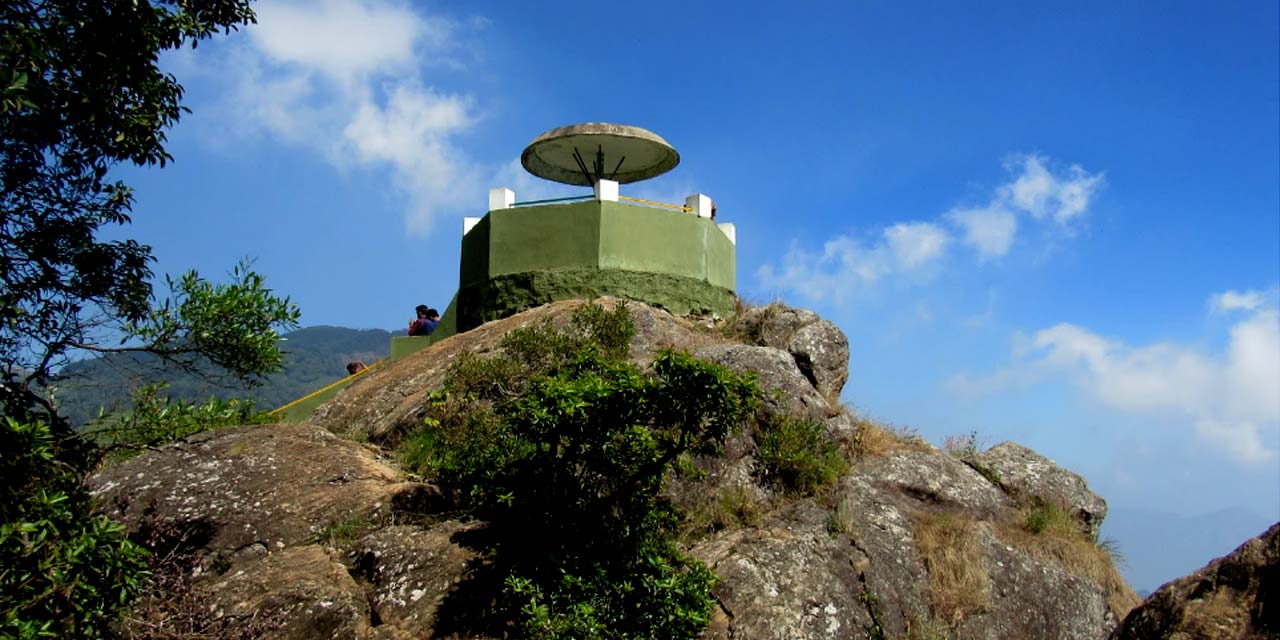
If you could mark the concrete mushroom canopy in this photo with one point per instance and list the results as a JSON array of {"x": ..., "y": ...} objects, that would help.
[{"x": 581, "y": 154}]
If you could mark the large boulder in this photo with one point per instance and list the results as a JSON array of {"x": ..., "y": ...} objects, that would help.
[
  {"x": 819, "y": 347},
  {"x": 783, "y": 388},
  {"x": 1027, "y": 476},
  {"x": 248, "y": 491},
  {"x": 1236, "y": 597},
  {"x": 411, "y": 570},
  {"x": 307, "y": 591}
]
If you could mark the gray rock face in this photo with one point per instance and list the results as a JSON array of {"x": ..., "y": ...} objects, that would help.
[
  {"x": 410, "y": 571},
  {"x": 941, "y": 480},
  {"x": 788, "y": 579},
  {"x": 1236, "y": 597},
  {"x": 821, "y": 351},
  {"x": 819, "y": 347},
  {"x": 304, "y": 587},
  {"x": 1033, "y": 598},
  {"x": 249, "y": 491},
  {"x": 856, "y": 569},
  {"x": 1027, "y": 475},
  {"x": 784, "y": 390}
]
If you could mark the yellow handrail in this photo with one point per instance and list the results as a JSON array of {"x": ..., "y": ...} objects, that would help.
[
  {"x": 320, "y": 391},
  {"x": 653, "y": 203}
]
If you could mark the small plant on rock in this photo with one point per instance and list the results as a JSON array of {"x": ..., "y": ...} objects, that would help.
[{"x": 796, "y": 455}]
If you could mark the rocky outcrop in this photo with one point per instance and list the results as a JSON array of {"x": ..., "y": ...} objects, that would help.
[
  {"x": 1030, "y": 476},
  {"x": 389, "y": 400},
  {"x": 1236, "y": 597},
  {"x": 819, "y": 347},
  {"x": 249, "y": 491},
  {"x": 911, "y": 543}
]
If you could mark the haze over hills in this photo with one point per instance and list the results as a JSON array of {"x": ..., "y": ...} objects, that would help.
[
  {"x": 314, "y": 357},
  {"x": 1158, "y": 546}
]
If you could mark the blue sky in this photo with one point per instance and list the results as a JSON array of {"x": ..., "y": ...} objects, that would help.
[{"x": 1057, "y": 224}]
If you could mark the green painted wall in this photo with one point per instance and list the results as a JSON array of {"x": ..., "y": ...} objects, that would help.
[
  {"x": 531, "y": 239},
  {"x": 518, "y": 258},
  {"x": 606, "y": 235}
]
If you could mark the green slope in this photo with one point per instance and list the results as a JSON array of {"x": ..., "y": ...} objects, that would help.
[{"x": 314, "y": 357}]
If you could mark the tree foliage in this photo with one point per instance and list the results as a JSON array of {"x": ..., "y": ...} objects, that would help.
[
  {"x": 63, "y": 573},
  {"x": 80, "y": 92},
  {"x": 564, "y": 449}
]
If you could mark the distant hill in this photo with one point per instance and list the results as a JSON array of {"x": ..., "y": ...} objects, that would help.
[
  {"x": 1159, "y": 546},
  {"x": 314, "y": 357}
]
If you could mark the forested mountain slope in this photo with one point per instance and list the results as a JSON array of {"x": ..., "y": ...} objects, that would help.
[{"x": 314, "y": 357}]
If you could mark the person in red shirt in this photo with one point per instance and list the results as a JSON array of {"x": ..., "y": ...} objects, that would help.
[{"x": 427, "y": 320}]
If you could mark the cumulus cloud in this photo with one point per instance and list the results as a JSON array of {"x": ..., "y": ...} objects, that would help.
[
  {"x": 1235, "y": 301},
  {"x": 846, "y": 264},
  {"x": 1229, "y": 398},
  {"x": 1057, "y": 199},
  {"x": 915, "y": 244},
  {"x": 1040, "y": 193},
  {"x": 990, "y": 230},
  {"x": 345, "y": 78}
]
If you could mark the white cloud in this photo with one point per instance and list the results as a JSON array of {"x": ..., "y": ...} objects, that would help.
[
  {"x": 1042, "y": 194},
  {"x": 990, "y": 230},
  {"x": 344, "y": 38},
  {"x": 1231, "y": 399},
  {"x": 915, "y": 244},
  {"x": 344, "y": 78},
  {"x": 845, "y": 263},
  {"x": 1235, "y": 301}
]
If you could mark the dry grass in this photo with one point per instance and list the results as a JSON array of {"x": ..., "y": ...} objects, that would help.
[
  {"x": 875, "y": 440},
  {"x": 725, "y": 508},
  {"x": 1046, "y": 532},
  {"x": 1219, "y": 615},
  {"x": 927, "y": 630},
  {"x": 959, "y": 581}
]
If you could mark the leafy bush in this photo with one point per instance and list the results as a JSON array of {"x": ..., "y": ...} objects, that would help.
[
  {"x": 796, "y": 455},
  {"x": 156, "y": 420},
  {"x": 564, "y": 452},
  {"x": 63, "y": 573}
]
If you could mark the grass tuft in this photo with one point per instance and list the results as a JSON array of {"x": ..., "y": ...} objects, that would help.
[
  {"x": 1047, "y": 531},
  {"x": 959, "y": 582},
  {"x": 796, "y": 455}
]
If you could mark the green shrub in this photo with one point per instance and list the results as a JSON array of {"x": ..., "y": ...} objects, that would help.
[
  {"x": 565, "y": 456},
  {"x": 156, "y": 420},
  {"x": 63, "y": 572},
  {"x": 796, "y": 455}
]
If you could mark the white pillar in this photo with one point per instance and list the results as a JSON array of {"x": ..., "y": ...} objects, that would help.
[
  {"x": 468, "y": 223},
  {"x": 700, "y": 204},
  {"x": 607, "y": 190},
  {"x": 501, "y": 198},
  {"x": 730, "y": 231}
]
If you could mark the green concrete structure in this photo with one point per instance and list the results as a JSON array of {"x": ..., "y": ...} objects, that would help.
[{"x": 521, "y": 257}]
